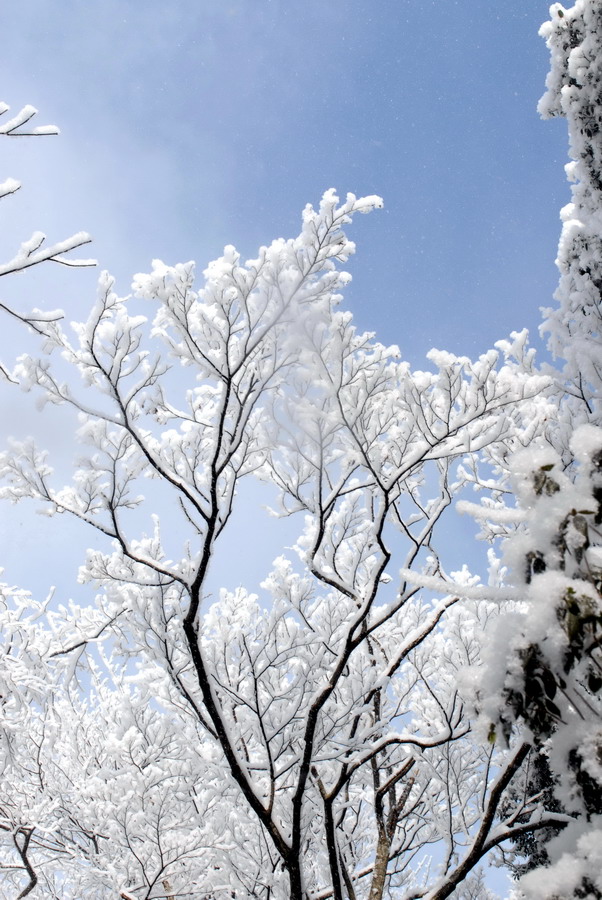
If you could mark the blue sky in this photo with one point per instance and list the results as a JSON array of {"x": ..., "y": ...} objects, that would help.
[{"x": 188, "y": 125}]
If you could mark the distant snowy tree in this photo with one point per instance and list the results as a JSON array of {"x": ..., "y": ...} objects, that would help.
[
  {"x": 44, "y": 825},
  {"x": 475, "y": 888}
]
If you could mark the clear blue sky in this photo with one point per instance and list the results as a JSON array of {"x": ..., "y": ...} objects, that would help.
[{"x": 189, "y": 124}]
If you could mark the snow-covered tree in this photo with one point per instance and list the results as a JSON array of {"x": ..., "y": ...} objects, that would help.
[
  {"x": 574, "y": 37},
  {"x": 545, "y": 668},
  {"x": 331, "y": 700},
  {"x": 312, "y": 740},
  {"x": 43, "y": 823},
  {"x": 553, "y": 670}
]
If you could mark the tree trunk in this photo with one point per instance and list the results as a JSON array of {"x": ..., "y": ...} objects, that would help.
[
  {"x": 295, "y": 880},
  {"x": 379, "y": 872}
]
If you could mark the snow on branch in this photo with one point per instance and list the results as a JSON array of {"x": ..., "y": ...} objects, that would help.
[
  {"x": 468, "y": 591},
  {"x": 31, "y": 253},
  {"x": 13, "y": 127},
  {"x": 10, "y": 186}
]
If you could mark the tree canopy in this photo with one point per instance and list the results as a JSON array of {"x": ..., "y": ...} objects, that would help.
[{"x": 369, "y": 724}]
